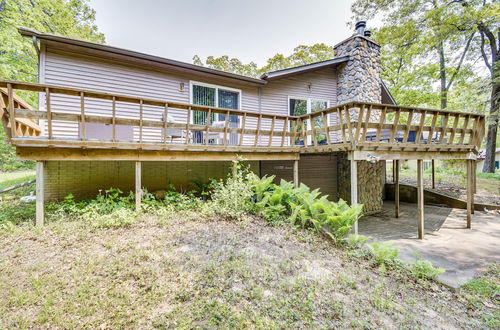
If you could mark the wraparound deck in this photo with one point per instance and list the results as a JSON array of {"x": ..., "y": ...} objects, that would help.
[
  {"x": 384, "y": 131},
  {"x": 160, "y": 130}
]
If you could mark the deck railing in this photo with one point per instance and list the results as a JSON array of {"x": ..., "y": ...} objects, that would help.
[{"x": 159, "y": 124}]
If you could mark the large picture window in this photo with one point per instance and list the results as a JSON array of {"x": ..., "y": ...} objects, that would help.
[
  {"x": 219, "y": 97},
  {"x": 301, "y": 106}
]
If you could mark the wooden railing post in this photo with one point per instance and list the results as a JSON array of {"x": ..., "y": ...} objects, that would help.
[
  {"x": 226, "y": 123},
  {"x": 165, "y": 122},
  {"x": 188, "y": 121},
  {"x": 49, "y": 112},
  {"x": 285, "y": 129},
  {"x": 140, "y": 120},
  {"x": 113, "y": 120},
  {"x": 242, "y": 131},
  {"x": 271, "y": 133},
  {"x": 257, "y": 133},
  {"x": 12, "y": 112},
  {"x": 82, "y": 117},
  {"x": 208, "y": 122}
]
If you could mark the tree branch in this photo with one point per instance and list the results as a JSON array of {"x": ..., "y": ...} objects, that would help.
[
  {"x": 483, "y": 54},
  {"x": 462, "y": 57}
]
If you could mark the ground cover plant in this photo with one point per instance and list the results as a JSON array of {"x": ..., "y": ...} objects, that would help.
[{"x": 242, "y": 255}]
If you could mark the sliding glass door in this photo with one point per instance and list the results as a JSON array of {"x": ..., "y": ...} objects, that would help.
[{"x": 219, "y": 97}]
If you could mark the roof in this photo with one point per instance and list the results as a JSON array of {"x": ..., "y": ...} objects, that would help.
[
  {"x": 386, "y": 93},
  {"x": 304, "y": 68},
  {"x": 482, "y": 153},
  {"x": 152, "y": 58}
]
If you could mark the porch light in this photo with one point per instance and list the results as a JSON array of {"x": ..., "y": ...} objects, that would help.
[{"x": 181, "y": 87}]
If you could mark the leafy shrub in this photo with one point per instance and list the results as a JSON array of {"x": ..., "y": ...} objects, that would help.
[
  {"x": 303, "y": 207},
  {"x": 232, "y": 198},
  {"x": 421, "y": 268},
  {"x": 383, "y": 253}
]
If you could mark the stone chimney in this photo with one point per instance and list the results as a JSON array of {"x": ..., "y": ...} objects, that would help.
[{"x": 359, "y": 78}]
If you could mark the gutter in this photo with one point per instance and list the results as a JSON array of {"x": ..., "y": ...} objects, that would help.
[{"x": 121, "y": 51}]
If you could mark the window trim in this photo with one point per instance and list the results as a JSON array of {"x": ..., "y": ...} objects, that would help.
[{"x": 217, "y": 87}]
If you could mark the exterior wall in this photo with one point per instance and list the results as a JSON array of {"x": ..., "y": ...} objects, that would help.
[
  {"x": 359, "y": 80},
  {"x": 60, "y": 67},
  {"x": 315, "y": 171},
  {"x": 84, "y": 179}
]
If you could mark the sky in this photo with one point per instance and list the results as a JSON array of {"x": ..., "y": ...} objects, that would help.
[{"x": 251, "y": 30}]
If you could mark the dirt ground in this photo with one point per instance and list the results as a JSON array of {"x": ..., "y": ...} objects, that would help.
[{"x": 181, "y": 271}]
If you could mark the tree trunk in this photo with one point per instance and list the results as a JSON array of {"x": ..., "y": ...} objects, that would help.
[
  {"x": 442, "y": 77},
  {"x": 491, "y": 138}
]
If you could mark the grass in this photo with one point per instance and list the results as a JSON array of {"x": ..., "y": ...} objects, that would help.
[
  {"x": 180, "y": 270},
  {"x": 483, "y": 294},
  {"x": 9, "y": 179},
  {"x": 489, "y": 176}
]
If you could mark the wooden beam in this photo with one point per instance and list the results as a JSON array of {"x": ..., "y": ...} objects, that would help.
[
  {"x": 296, "y": 173},
  {"x": 61, "y": 154},
  {"x": 420, "y": 198},
  {"x": 82, "y": 119},
  {"x": 138, "y": 186},
  {"x": 40, "y": 189},
  {"x": 354, "y": 188},
  {"x": 412, "y": 155},
  {"x": 12, "y": 114},
  {"x": 470, "y": 192},
  {"x": 396, "y": 188},
  {"x": 433, "y": 175}
]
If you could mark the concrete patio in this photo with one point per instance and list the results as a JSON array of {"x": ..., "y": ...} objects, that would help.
[{"x": 464, "y": 253}]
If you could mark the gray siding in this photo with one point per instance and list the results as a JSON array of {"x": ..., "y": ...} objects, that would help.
[{"x": 70, "y": 69}]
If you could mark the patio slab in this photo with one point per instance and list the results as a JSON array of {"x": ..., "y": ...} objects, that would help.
[{"x": 464, "y": 253}]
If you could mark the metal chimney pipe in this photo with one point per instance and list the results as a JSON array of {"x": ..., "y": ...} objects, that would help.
[{"x": 360, "y": 27}]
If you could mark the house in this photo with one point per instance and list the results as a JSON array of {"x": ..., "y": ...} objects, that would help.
[
  {"x": 481, "y": 156},
  {"x": 111, "y": 117}
]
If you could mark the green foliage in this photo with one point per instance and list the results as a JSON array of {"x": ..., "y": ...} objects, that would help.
[
  {"x": 232, "y": 198},
  {"x": 490, "y": 176},
  {"x": 356, "y": 241},
  {"x": 383, "y": 253},
  {"x": 301, "y": 55},
  {"x": 416, "y": 36},
  {"x": 421, "y": 268},
  {"x": 18, "y": 59},
  {"x": 303, "y": 207}
]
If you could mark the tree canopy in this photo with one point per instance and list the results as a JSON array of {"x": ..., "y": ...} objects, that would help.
[
  {"x": 301, "y": 55},
  {"x": 18, "y": 59},
  {"x": 73, "y": 18}
]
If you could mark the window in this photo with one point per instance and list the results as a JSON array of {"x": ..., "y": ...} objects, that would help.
[
  {"x": 302, "y": 106},
  {"x": 214, "y": 96}
]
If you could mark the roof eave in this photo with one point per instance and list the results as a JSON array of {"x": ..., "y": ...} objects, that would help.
[{"x": 92, "y": 45}]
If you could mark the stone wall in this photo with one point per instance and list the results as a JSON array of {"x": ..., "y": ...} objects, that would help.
[
  {"x": 359, "y": 80},
  {"x": 371, "y": 181}
]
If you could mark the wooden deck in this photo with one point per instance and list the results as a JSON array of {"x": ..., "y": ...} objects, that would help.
[{"x": 365, "y": 129}]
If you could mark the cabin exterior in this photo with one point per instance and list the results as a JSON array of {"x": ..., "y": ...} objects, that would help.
[{"x": 110, "y": 117}]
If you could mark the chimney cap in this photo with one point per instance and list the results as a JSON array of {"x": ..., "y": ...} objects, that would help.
[
  {"x": 368, "y": 33},
  {"x": 360, "y": 24}
]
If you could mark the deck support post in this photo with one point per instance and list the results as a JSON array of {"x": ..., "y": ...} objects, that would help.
[
  {"x": 40, "y": 189},
  {"x": 396, "y": 188},
  {"x": 474, "y": 187},
  {"x": 354, "y": 188},
  {"x": 420, "y": 195},
  {"x": 394, "y": 170},
  {"x": 433, "y": 175},
  {"x": 296, "y": 173},
  {"x": 138, "y": 188},
  {"x": 470, "y": 191}
]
